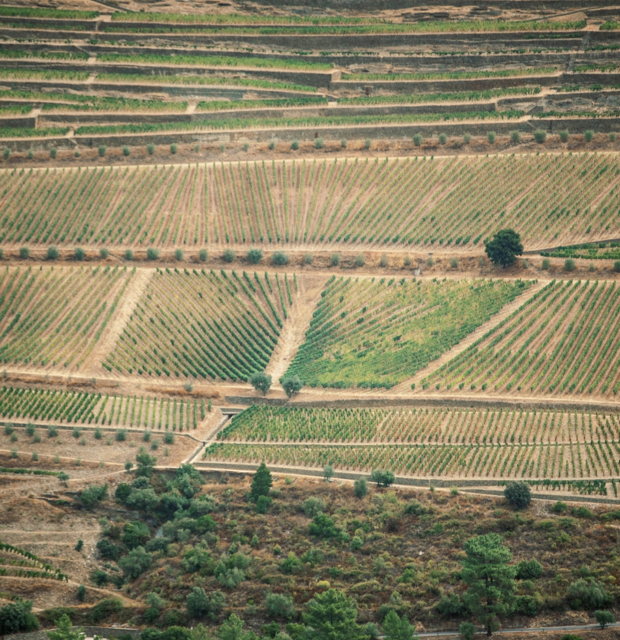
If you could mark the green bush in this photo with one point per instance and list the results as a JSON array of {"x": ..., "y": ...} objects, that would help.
[
  {"x": 564, "y": 135},
  {"x": 173, "y": 148},
  {"x": 518, "y": 494},
  {"x": 491, "y": 137},
  {"x": 79, "y": 254},
  {"x": 279, "y": 258},
  {"x": 318, "y": 143},
  {"x": 178, "y": 255},
  {"x": 312, "y": 506},
  {"x": 103, "y": 253},
  {"x": 612, "y": 136},
  {"x": 588, "y": 135},
  {"x": 343, "y": 143},
  {"x": 360, "y": 260},
  {"x": 152, "y": 253},
  {"x": 229, "y": 255},
  {"x": 17, "y": 617},
  {"x": 129, "y": 255},
  {"x": 466, "y": 138},
  {"x": 515, "y": 137},
  {"x": 202, "y": 255},
  {"x": 569, "y": 264},
  {"x": 24, "y": 253},
  {"x": 52, "y": 253},
  {"x": 102, "y": 150},
  {"x": 417, "y": 139},
  {"x": 53, "y": 153},
  {"x": 254, "y": 256},
  {"x": 279, "y": 605},
  {"x": 546, "y": 264},
  {"x": 294, "y": 145},
  {"x": 135, "y": 563},
  {"x": 335, "y": 259},
  {"x": 617, "y": 266},
  {"x": 6, "y": 153},
  {"x": 126, "y": 151},
  {"x": 443, "y": 138},
  {"x": 307, "y": 258},
  {"x": 467, "y": 631},
  {"x": 587, "y": 594},
  {"x": 382, "y": 478},
  {"x": 529, "y": 570},
  {"x": 367, "y": 143},
  {"x": 540, "y": 136},
  {"x": 272, "y": 145},
  {"x": 604, "y": 618},
  {"x": 360, "y": 487},
  {"x": 292, "y": 385},
  {"x": 150, "y": 148}
]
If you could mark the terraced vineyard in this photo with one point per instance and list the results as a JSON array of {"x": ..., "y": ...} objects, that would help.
[
  {"x": 377, "y": 333},
  {"x": 563, "y": 341},
  {"x": 18, "y": 562},
  {"x": 562, "y": 461},
  {"x": 53, "y": 317},
  {"x": 105, "y": 409},
  {"x": 440, "y": 203},
  {"x": 204, "y": 325},
  {"x": 420, "y": 426}
]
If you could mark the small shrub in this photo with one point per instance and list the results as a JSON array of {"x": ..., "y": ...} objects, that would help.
[
  {"x": 335, "y": 259},
  {"x": 343, "y": 143},
  {"x": 168, "y": 438},
  {"x": 540, "y": 136},
  {"x": 546, "y": 264},
  {"x": 569, "y": 264},
  {"x": 52, "y": 253},
  {"x": 454, "y": 263},
  {"x": 102, "y": 150},
  {"x": 564, "y": 135},
  {"x": 307, "y": 258},
  {"x": 360, "y": 260},
  {"x": 35, "y": 456},
  {"x": 81, "y": 593},
  {"x": 294, "y": 145},
  {"x": 222, "y": 148},
  {"x": 79, "y": 545},
  {"x": 152, "y": 253},
  {"x": 312, "y": 506},
  {"x": 202, "y": 255},
  {"x": 52, "y": 432},
  {"x": 77, "y": 153},
  {"x": 53, "y": 153},
  {"x": 24, "y": 253},
  {"x": 612, "y": 136},
  {"x": 178, "y": 255},
  {"x": 360, "y": 487},
  {"x": 318, "y": 143},
  {"x": 229, "y": 255},
  {"x": 6, "y": 153},
  {"x": 279, "y": 258},
  {"x": 126, "y": 151},
  {"x": 255, "y": 256},
  {"x": 120, "y": 435},
  {"x": 417, "y": 139},
  {"x": 197, "y": 148},
  {"x": 467, "y": 138},
  {"x": 104, "y": 253},
  {"x": 129, "y": 255},
  {"x": 367, "y": 143},
  {"x": 272, "y": 145},
  {"x": 79, "y": 254},
  {"x": 491, "y": 137},
  {"x": 588, "y": 135},
  {"x": 443, "y": 138},
  {"x": 173, "y": 148},
  {"x": 383, "y": 262},
  {"x": 518, "y": 494},
  {"x": 150, "y": 148},
  {"x": 30, "y": 154},
  {"x": 467, "y": 630}
]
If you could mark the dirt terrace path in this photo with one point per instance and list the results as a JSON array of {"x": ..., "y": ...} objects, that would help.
[{"x": 502, "y": 314}]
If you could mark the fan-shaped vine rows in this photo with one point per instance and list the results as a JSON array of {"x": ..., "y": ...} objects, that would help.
[
  {"x": 377, "y": 333},
  {"x": 54, "y": 317},
  {"x": 203, "y": 324},
  {"x": 565, "y": 340}
]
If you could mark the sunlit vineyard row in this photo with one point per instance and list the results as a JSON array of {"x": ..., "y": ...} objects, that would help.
[
  {"x": 565, "y": 340},
  {"x": 205, "y": 324},
  {"x": 441, "y": 202},
  {"x": 420, "y": 425},
  {"x": 104, "y": 409},
  {"x": 55, "y": 316},
  {"x": 571, "y": 460},
  {"x": 378, "y": 332}
]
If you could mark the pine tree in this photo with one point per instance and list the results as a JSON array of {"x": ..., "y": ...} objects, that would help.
[
  {"x": 261, "y": 483},
  {"x": 64, "y": 630}
]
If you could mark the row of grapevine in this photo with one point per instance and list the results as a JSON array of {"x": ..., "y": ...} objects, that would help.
[
  {"x": 103, "y": 206},
  {"x": 204, "y": 324},
  {"x": 377, "y": 333},
  {"x": 420, "y": 426},
  {"x": 563, "y": 341},
  {"x": 451, "y": 201},
  {"x": 39, "y": 569},
  {"x": 563, "y": 461},
  {"x": 55, "y": 316},
  {"x": 77, "y": 407}
]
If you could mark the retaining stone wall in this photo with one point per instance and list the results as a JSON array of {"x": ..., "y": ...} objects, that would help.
[{"x": 105, "y": 632}]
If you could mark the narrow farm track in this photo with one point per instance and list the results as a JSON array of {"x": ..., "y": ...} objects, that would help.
[
  {"x": 506, "y": 311},
  {"x": 294, "y": 331},
  {"x": 123, "y": 312}
]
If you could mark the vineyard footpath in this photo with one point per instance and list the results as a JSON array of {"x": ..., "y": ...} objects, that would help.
[
  {"x": 441, "y": 204},
  {"x": 379, "y": 332}
]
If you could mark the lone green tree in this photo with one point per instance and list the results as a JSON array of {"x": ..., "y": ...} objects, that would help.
[
  {"x": 489, "y": 578},
  {"x": 261, "y": 382},
  {"x": 261, "y": 483},
  {"x": 332, "y": 615},
  {"x": 65, "y": 631},
  {"x": 518, "y": 494},
  {"x": 396, "y": 628},
  {"x": 292, "y": 385},
  {"x": 504, "y": 248}
]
